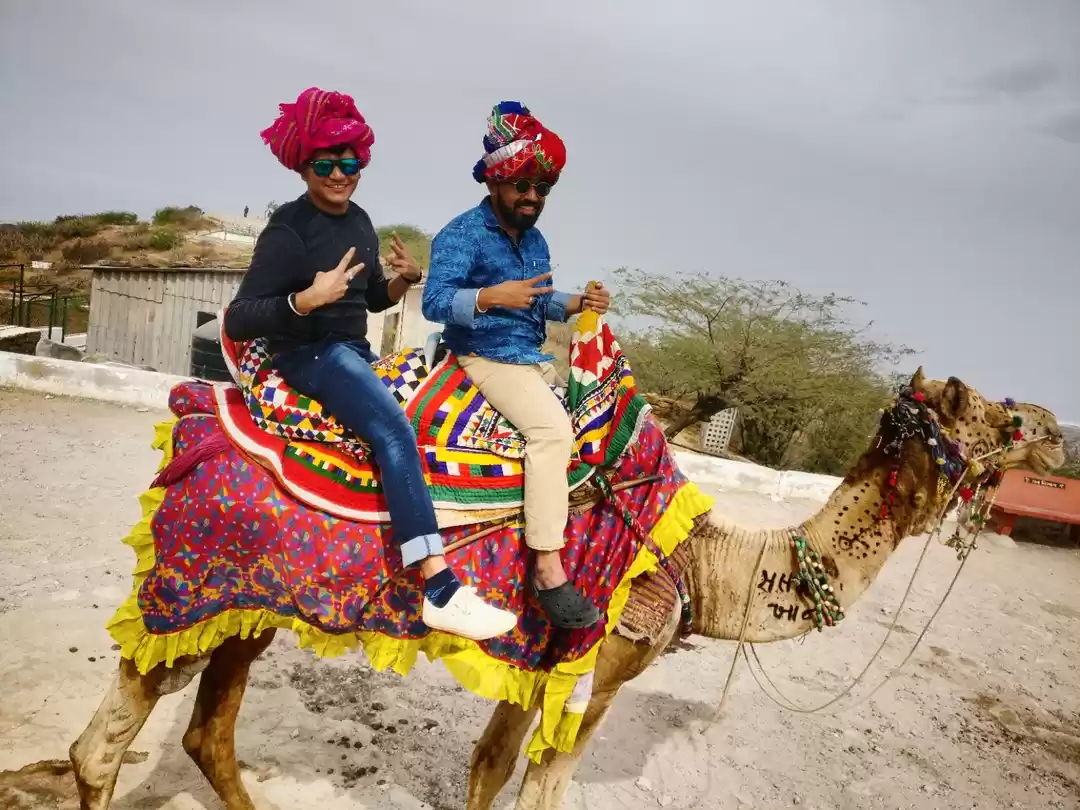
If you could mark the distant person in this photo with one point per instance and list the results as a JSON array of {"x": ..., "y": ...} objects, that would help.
[
  {"x": 245, "y": 212},
  {"x": 489, "y": 282},
  {"x": 314, "y": 277}
]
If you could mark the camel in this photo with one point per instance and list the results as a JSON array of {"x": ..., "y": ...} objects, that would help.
[{"x": 894, "y": 491}]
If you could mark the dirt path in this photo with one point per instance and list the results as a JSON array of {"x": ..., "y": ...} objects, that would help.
[{"x": 985, "y": 716}]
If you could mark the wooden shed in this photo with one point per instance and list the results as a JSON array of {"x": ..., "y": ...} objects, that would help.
[{"x": 145, "y": 315}]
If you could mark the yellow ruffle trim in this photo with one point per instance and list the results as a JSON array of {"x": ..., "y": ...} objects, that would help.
[{"x": 485, "y": 676}]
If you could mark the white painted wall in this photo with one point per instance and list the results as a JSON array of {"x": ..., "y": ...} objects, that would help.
[
  {"x": 744, "y": 477},
  {"x": 112, "y": 383}
]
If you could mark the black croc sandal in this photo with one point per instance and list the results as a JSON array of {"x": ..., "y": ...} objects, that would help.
[{"x": 566, "y": 608}]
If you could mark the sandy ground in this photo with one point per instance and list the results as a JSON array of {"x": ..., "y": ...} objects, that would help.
[{"x": 984, "y": 716}]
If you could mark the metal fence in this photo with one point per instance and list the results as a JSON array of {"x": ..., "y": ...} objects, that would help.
[{"x": 41, "y": 305}]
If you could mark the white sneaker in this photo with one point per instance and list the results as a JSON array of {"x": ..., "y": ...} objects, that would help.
[{"x": 469, "y": 616}]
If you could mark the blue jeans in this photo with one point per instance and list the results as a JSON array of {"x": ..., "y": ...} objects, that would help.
[{"x": 340, "y": 377}]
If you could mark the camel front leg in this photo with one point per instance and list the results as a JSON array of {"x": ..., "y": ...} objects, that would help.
[
  {"x": 98, "y": 753},
  {"x": 546, "y": 784},
  {"x": 211, "y": 736},
  {"x": 496, "y": 753},
  {"x": 619, "y": 662}
]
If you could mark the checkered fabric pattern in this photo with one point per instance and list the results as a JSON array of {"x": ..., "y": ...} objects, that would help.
[
  {"x": 402, "y": 374},
  {"x": 279, "y": 409}
]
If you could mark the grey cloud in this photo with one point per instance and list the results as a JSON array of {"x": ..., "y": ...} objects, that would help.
[
  {"x": 1065, "y": 126},
  {"x": 1019, "y": 79}
]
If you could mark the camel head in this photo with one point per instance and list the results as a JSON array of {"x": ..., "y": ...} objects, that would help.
[
  {"x": 937, "y": 444},
  {"x": 943, "y": 437},
  {"x": 985, "y": 427}
]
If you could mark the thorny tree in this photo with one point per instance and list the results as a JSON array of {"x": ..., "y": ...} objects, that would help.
[{"x": 787, "y": 360}]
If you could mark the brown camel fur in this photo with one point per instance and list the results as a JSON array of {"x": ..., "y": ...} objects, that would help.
[{"x": 724, "y": 568}]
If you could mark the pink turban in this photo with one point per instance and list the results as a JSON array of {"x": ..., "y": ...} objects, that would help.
[{"x": 319, "y": 119}]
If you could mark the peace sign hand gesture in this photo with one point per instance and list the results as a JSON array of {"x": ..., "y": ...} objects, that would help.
[
  {"x": 329, "y": 286},
  {"x": 514, "y": 294},
  {"x": 402, "y": 261}
]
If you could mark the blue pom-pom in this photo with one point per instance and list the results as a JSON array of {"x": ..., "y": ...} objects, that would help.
[{"x": 512, "y": 107}]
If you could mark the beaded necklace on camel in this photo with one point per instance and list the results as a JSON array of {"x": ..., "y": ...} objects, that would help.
[{"x": 909, "y": 417}]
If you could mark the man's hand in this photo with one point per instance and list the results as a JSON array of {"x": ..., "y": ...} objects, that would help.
[
  {"x": 403, "y": 262},
  {"x": 329, "y": 286},
  {"x": 596, "y": 297},
  {"x": 513, "y": 294}
]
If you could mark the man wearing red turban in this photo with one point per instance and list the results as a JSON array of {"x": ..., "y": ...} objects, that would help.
[
  {"x": 314, "y": 277},
  {"x": 489, "y": 284}
]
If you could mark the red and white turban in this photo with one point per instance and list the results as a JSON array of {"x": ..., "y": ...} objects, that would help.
[{"x": 518, "y": 145}]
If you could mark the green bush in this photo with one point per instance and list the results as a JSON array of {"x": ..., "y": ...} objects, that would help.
[
  {"x": 117, "y": 218},
  {"x": 165, "y": 239},
  {"x": 191, "y": 217}
]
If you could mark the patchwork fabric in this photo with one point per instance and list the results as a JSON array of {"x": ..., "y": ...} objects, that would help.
[
  {"x": 282, "y": 411},
  {"x": 226, "y": 551},
  {"x": 472, "y": 456}
]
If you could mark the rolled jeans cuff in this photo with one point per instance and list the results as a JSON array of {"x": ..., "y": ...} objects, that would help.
[{"x": 420, "y": 548}]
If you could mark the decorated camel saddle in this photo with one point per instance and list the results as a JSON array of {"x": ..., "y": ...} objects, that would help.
[
  {"x": 268, "y": 514},
  {"x": 472, "y": 456}
]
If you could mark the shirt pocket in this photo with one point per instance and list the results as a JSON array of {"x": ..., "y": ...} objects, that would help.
[{"x": 537, "y": 267}]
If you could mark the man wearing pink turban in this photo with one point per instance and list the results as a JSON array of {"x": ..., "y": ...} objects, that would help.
[
  {"x": 489, "y": 282},
  {"x": 314, "y": 277}
]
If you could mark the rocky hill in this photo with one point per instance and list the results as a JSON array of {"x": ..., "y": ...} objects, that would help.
[{"x": 174, "y": 236}]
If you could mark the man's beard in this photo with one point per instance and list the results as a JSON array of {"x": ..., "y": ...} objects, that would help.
[{"x": 515, "y": 219}]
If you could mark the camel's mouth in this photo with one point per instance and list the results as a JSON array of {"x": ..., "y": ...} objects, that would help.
[{"x": 1047, "y": 456}]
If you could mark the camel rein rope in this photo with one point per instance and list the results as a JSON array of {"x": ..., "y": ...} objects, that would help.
[{"x": 787, "y": 703}]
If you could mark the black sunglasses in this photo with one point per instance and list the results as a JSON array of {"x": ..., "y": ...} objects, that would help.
[
  {"x": 324, "y": 167},
  {"x": 542, "y": 188}
]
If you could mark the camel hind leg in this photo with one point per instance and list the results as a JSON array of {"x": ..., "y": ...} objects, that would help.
[{"x": 211, "y": 736}]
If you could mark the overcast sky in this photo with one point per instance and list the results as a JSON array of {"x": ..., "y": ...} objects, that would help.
[{"x": 921, "y": 155}]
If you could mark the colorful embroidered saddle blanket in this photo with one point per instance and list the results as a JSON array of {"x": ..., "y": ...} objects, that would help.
[
  {"x": 472, "y": 456},
  {"x": 225, "y": 551}
]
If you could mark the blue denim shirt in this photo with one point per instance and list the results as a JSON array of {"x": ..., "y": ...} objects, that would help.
[{"x": 473, "y": 252}]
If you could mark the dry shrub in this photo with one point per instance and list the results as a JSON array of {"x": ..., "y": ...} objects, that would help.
[
  {"x": 85, "y": 251},
  {"x": 21, "y": 245}
]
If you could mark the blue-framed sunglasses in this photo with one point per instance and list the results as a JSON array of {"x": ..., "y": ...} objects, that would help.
[{"x": 324, "y": 167}]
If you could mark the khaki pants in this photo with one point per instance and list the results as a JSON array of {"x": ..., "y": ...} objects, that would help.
[{"x": 522, "y": 394}]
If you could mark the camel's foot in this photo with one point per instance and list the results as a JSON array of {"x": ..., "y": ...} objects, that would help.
[
  {"x": 210, "y": 738},
  {"x": 98, "y": 753}
]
